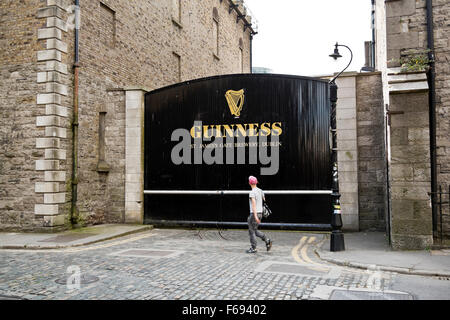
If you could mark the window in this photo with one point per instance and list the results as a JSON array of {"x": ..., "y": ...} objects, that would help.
[
  {"x": 102, "y": 165},
  {"x": 216, "y": 33},
  {"x": 241, "y": 56},
  {"x": 177, "y": 66}
]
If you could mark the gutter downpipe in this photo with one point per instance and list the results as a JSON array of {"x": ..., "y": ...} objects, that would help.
[
  {"x": 74, "y": 209},
  {"x": 373, "y": 34},
  {"x": 431, "y": 73},
  {"x": 251, "y": 52}
]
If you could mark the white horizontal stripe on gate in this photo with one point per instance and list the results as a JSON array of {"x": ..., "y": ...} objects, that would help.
[{"x": 222, "y": 192}]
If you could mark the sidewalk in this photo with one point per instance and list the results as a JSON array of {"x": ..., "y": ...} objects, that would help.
[
  {"x": 70, "y": 238},
  {"x": 370, "y": 250}
]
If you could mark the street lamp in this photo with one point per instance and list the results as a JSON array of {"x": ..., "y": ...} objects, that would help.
[{"x": 337, "y": 237}]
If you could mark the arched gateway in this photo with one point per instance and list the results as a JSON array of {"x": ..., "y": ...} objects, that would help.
[{"x": 203, "y": 138}]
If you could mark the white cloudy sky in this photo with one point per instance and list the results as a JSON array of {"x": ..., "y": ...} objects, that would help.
[{"x": 296, "y": 36}]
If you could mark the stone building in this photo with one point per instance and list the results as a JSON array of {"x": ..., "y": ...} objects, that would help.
[
  {"x": 393, "y": 126},
  {"x": 412, "y": 52},
  {"x": 73, "y": 82}
]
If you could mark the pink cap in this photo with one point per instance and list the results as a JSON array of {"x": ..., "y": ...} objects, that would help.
[{"x": 252, "y": 180}]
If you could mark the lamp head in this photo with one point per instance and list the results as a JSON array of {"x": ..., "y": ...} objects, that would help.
[{"x": 336, "y": 53}]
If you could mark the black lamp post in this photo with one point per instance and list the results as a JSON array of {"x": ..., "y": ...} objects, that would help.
[{"x": 337, "y": 237}]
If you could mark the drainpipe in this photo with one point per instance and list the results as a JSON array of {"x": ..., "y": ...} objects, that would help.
[
  {"x": 373, "y": 35},
  {"x": 251, "y": 52},
  {"x": 74, "y": 209},
  {"x": 431, "y": 75}
]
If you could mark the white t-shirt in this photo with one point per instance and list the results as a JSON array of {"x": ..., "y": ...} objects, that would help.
[{"x": 258, "y": 194}]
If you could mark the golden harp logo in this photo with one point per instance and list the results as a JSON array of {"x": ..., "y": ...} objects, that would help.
[{"x": 235, "y": 101}]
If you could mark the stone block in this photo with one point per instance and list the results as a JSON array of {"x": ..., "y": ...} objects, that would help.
[
  {"x": 401, "y": 172},
  {"x": 348, "y": 176},
  {"x": 46, "y": 209},
  {"x": 47, "y": 143},
  {"x": 344, "y": 114},
  {"x": 47, "y": 33},
  {"x": 42, "y": 165},
  {"x": 347, "y": 156},
  {"x": 344, "y": 103},
  {"x": 346, "y": 124},
  {"x": 51, "y": 11},
  {"x": 59, "y": 3},
  {"x": 409, "y": 209},
  {"x": 56, "y": 66},
  {"x": 59, "y": 176},
  {"x": 351, "y": 187},
  {"x": 346, "y": 134},
  {"x": 48, "y": 98},
  {"x": 350, "y": 222},
  {"x": 53, "y": 109},
  {"x": 347, "y": 166},
  {"x": 57, "y": 23},
  {"x": 50, "y": 198},
  {"x": 412, "y": 226},
  {"x": 41, "y": 77},
  {"x": 56, "y": 88},
  {"x": 346, "y": 82},
  {"x": 400, "y": 8},
  {"x": 57, "y": 45},
  {"x": 51, "y": 54},
  {"x": 42, "y": 121},
  {"x": 43, "y": 187},
  {"x": 349, "y": 198},
  {"x": 55, "y": 76},
  {"x": 410, "y": 154},
  {"x": 56, "y": 132},
  {"x": 410, "y": 191},
  {"x": 411, "y": 242},
  {"x": 399, "y": 136},
  {"x": 54, "y": 221},
  {"x": 346, "y": 93},
  {"x": 347, "y": 145},
  {"x": 406, "y": 87}
]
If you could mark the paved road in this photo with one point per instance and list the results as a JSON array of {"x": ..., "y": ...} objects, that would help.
[{"x": 169, "y": 264}]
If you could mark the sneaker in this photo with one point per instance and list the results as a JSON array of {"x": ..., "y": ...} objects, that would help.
[
  {"x": 251, "y": 250},
  {"x": 268, "y": 244}
]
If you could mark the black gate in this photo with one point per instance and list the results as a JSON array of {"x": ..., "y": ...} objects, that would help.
[{"x": 292, "y": 113}]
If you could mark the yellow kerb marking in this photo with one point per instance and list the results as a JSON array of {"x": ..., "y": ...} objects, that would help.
[{"x": 304, "y": 258}]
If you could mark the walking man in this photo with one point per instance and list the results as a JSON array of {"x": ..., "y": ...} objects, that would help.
[{"x": 256, "y": 198}]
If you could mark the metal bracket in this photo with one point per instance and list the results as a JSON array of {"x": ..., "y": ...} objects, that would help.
[{"x": 232, "y": 6}]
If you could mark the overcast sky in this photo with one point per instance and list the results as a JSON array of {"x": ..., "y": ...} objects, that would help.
[{"x": 296, "y": 36}]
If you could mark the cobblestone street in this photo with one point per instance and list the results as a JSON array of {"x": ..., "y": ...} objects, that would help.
[{"x": 171, "y": 264}]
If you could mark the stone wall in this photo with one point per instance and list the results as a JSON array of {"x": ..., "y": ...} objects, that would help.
[
  {"x": 406, "y": 29},
  {"x": 371, "y": 152},
  {"x": 145, "y": 44},
  {"x": 18, "y": 112},
  {"x": 122, "y": 43},
  {"x": 347, "y": 150},
  {"x": 411, "y": 226}
]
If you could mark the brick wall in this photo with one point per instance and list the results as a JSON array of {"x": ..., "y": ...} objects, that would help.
[
  {"x": 122, "y": 43},
  {"x": 140, "y": 43}
]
